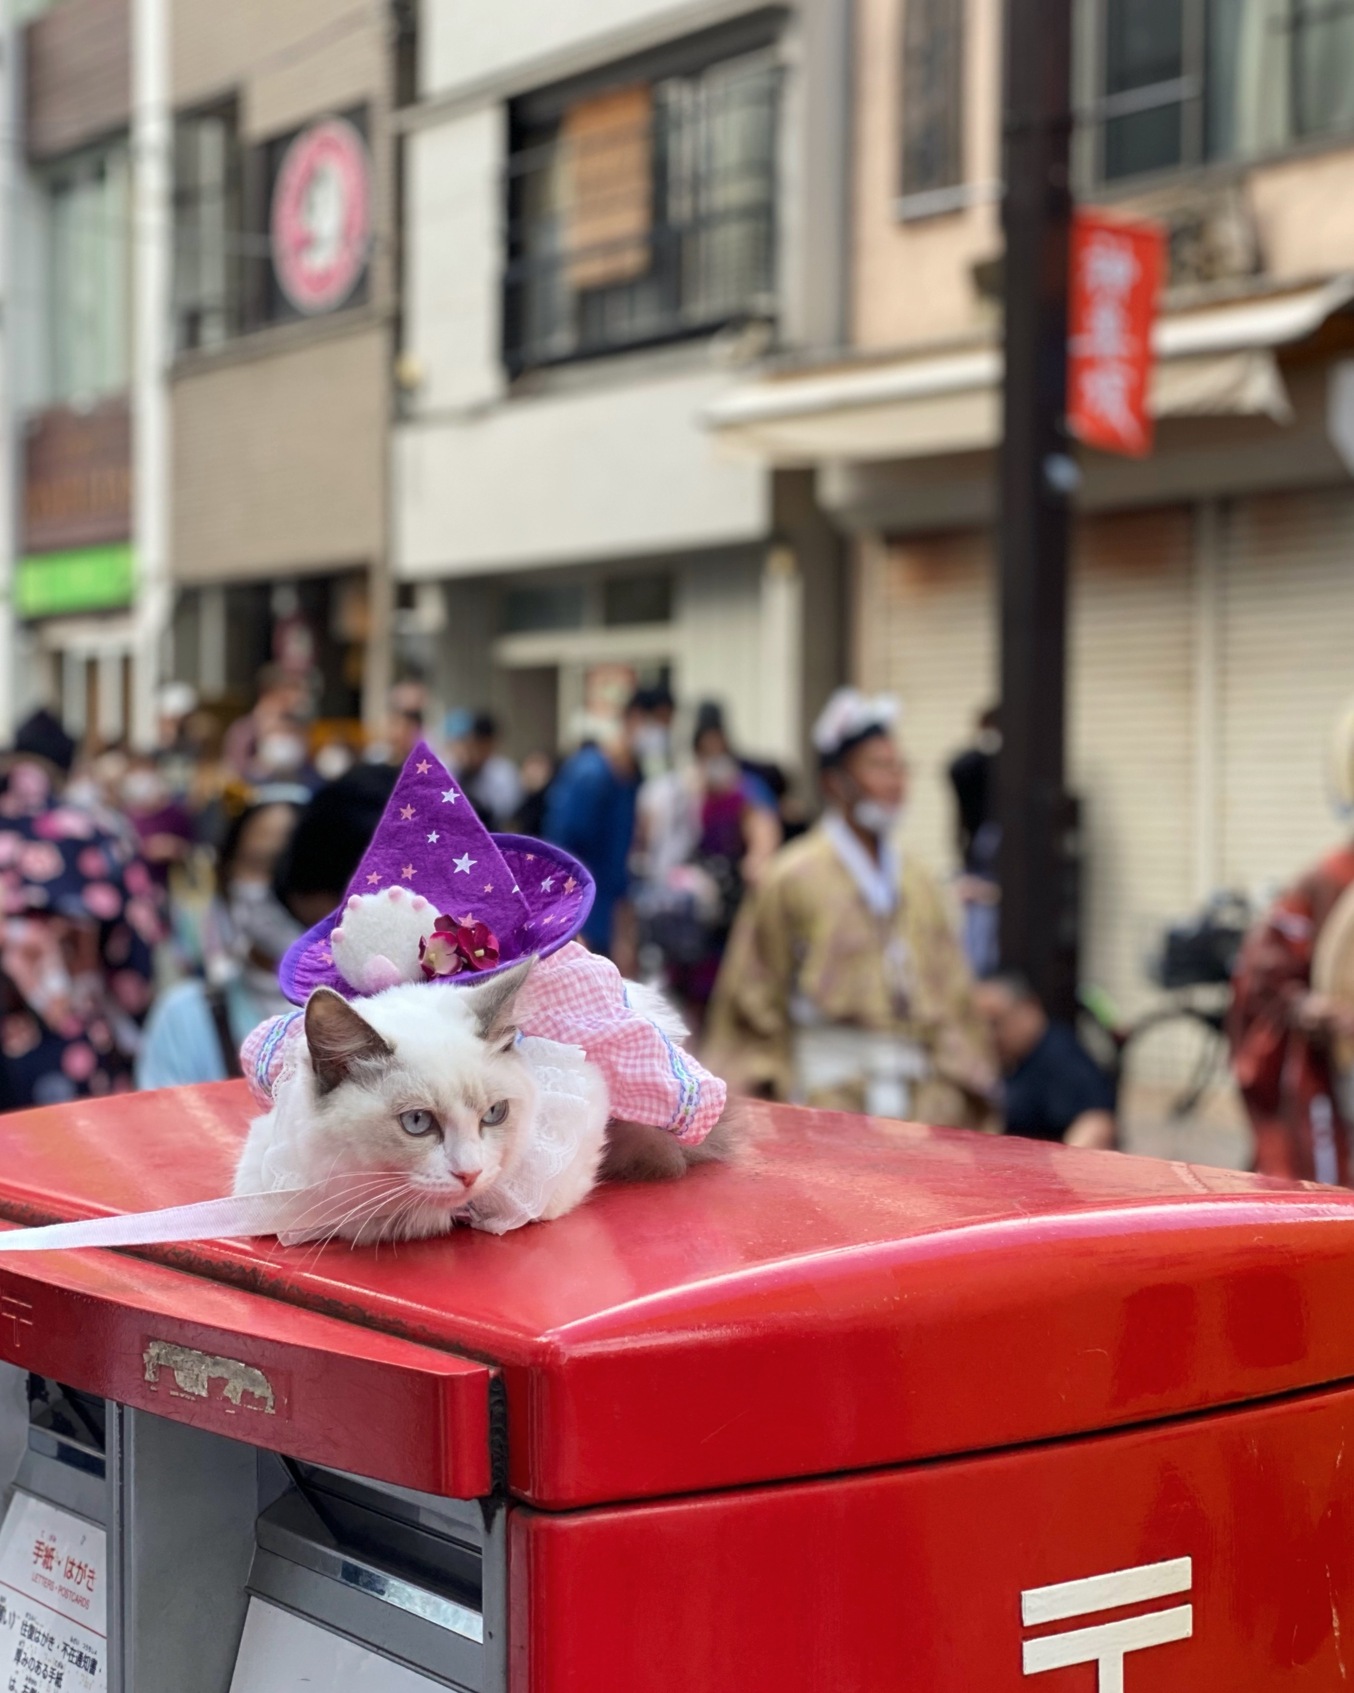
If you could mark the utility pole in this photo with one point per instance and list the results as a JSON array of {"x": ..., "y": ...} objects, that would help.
[{"x": 1038, "y": 473}]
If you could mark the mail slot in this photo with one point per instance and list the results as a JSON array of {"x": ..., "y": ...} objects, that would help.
[{"x": 874, "y": 1406}]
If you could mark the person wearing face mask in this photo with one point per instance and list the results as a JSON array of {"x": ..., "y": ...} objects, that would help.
[
  {"x": 283, "y": 865},
  {"x": 197, "y": 1026},
  {"x": 268, "y": 744},
  {"x": 163, "y": 827},
  {"x": 843, "y": 985},
  {"x": 488, "y": 777},
  {"x": 706, "y": 834},
  {"x": 590, "y": 812}
]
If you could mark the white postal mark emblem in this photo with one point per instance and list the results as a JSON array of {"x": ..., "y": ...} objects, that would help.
[{"x": 1107, "y": 1644}]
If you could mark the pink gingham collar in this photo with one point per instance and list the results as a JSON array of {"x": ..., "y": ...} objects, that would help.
[{"x": 577, "y": 998}]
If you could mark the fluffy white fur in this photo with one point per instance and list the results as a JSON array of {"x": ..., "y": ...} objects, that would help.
[{"x": 336, "y": 1116}]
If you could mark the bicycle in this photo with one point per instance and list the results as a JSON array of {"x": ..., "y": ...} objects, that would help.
[
  {"x": 1184, "y": 1038},
  {"x": 1179, "y": 1045}
]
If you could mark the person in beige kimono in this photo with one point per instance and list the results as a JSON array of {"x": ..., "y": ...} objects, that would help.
[{"x": 844, "y": 985}]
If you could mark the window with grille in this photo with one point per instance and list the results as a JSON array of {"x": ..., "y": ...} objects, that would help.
[
  {"x": 933, "y": 96},
  {"x": 642, "y": 212},
  {"x": 225, "y": 282},
  {"x": 88, "y": 275},
  {"x": 208, "y": 230},
  {"x": 1187, "y": 82},
  {"x": 1322, "y": 66}
]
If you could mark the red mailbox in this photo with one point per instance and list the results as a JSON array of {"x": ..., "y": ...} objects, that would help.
[{"x": 876, "y": 1407}]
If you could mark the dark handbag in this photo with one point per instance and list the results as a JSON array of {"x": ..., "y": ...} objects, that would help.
[{"x": 1203, "y": 951}]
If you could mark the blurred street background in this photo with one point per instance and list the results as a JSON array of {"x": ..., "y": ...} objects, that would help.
[{"x": 596, "y": 387}]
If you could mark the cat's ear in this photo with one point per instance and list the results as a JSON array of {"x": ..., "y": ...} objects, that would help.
[
  {"x": 338, "y": 1038},
  {"x": 495, "y": 1002}
]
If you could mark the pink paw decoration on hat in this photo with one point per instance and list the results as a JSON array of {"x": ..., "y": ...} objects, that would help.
[{"x": 379, "y": 937}]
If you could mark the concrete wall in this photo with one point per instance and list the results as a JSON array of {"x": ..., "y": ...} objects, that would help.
[
  {"x": 608, "y": 458},
  {"x": 516, "y": 44},
  {"x": 912, "y": 279},
  {"x": 279, "y": 439},
  {"x": 77, "y": 76},
  {"x": 453, "y": 250},
  {"x": 571, "y": 477},
  {"x": 715, "y": 643},
  {"x": 279, "y": 459},
  {"x": 288, "y": 59}
]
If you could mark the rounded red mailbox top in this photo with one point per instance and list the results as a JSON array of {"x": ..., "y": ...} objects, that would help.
[{"x": 848, "y": 1294}]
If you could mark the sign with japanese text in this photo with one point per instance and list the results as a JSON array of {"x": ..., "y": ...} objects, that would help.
[
  {"x": 1117, "y": 270},
  {"x": 52, "y": 1605},
  {"x": 77, "y": 477}
]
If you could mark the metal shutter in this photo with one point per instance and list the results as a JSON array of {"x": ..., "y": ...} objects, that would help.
[{"x": 1286, "y": 659}]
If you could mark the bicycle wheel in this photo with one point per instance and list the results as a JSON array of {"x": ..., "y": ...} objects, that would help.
[{"x": 1174, "y": 1080}]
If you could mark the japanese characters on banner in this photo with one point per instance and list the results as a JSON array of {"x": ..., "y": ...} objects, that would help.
[
  {"x": 1117, "y": 269},
  {"x": 52, "y": 1629}
]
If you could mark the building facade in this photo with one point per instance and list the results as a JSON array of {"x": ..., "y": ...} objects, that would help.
[
  {"x": 200, "y": 286},
  {"x": 70, "y": 266},
  {"x": 610, "y": 210},
  {"x": 1212, "y": 582},
  {"x": 282, "y": 316}
]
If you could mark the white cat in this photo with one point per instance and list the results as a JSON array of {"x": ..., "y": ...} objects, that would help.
[{"x": 427, "y": 1108}]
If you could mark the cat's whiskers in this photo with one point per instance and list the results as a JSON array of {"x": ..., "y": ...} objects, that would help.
[
  {"x": 317, "y": 1214},
  {"x": 357, "y": 1206},
  {"x": 363, "y": 1215},
  {"x": 357, "y": 1187},
  {"x": 405, "y": 1217}
]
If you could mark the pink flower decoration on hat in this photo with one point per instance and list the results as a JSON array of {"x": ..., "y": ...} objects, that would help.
[{"x": 453, "y": 947}]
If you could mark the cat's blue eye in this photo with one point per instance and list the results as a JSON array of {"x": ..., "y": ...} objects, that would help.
[
  {"x": 494, "y": 1115},
  {"x": 418, "y": 1122}
]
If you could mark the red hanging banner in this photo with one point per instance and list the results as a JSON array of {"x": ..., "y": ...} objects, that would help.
[{"x": 1117, "y": 268}]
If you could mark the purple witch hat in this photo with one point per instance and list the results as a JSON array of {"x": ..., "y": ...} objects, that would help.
[{"x": 438, "y": 898}]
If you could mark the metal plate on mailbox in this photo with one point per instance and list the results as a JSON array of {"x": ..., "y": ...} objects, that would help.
[{"x": 282, "y": 1653}]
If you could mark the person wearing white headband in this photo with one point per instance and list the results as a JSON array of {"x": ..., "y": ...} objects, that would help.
[{"x": 844, "y": 985}]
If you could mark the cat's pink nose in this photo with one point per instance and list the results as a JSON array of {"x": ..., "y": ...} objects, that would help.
[{"x": 465, "y": 1177}]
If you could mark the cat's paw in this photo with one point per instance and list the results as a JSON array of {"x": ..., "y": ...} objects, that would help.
[{"x": 375, "y": 944}]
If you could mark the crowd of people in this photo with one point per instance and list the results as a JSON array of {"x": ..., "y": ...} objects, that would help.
[{"x": 149, "y": 899}]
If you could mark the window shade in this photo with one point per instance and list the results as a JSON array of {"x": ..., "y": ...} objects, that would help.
[{"x": 608, "y": 194}]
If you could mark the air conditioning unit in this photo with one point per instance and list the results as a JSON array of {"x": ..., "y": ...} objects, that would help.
[{"x": 1212, "y": 237}]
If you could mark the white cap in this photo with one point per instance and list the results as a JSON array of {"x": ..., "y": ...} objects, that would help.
[
  {"x": 177, "y": 699},
  {"x": 850, "y": 716}
]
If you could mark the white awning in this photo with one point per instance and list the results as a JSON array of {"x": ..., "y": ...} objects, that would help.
[{"x": 1216, "y": 361}]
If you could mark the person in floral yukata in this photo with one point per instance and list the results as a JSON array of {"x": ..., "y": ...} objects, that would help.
[{"x": 80, "y": 916}]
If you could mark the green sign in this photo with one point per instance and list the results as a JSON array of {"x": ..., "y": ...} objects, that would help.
[{"x": 84, "y": 579}]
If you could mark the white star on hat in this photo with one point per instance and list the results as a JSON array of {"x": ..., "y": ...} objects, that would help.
[
  {"x": 464, "y": 864},
  {"x": 450, "y": 797}
]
